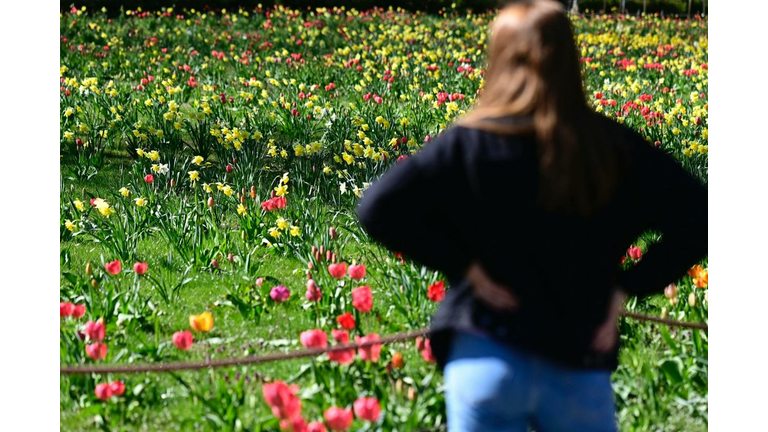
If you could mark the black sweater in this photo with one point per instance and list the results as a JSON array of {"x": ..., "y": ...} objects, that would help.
[{"x": 471, "y": 195}]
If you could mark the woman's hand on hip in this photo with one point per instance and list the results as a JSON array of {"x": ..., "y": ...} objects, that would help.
[
  {"x": 607, "y": 334},
  {"x": 491, "y": 293}
]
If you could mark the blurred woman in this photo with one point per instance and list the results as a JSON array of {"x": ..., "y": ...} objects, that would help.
[{"x": 527, "y": 205}]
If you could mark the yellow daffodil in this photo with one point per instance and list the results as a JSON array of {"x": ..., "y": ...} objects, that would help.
[
  {"x": 194, "y": 175},
  {"x": 79, "y": 205},
  {"x": 124, "y": 191},
  {"x": 281, "y": 190},
  {"x": 282, "y": 224},
  {"x": 197, "y": 160},
  {"x": 141, "y": 201},
  {"x": 274, "y": 232},
  {"x": 295, "y": 231},
  {"x": 241, "y": 209},
  {"x": 227, "y": 189},
  {"x": 70, "y": 225}
]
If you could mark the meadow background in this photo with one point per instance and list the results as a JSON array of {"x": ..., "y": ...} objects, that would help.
[{"x": 219, "y": 148}]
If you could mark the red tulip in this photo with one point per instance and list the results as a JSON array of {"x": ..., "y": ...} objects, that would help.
[
  {"x": 346, "y": 320},
  {"x": 371, "y": 352},
  {"x": 65, "y": 309},
  {"x": 149, "y": 178},
  {"x": 314, "y": 339},
  {"x": 436, "y": 291},
  {"x": 94, "y": 330},
  {"x": 338, "y": 270},
  {"x": 117, "y": 387},
  {"x": 140, "y": 268},
  {"x": 635, "y": 253},
  {"x": 210, "y": 202},
  {"x": 113, "y": 267},
  {"x": 183, "y": 340},
  {"x": 367, "y": 408},
  {"x": 338, "y": 419},
  {"x": 78, "y": 311},
  {"x": 229, "y": 168},
  {"x": 357, "y": 272},
  {"x": 103, "y": 391},
  {"x": 96, "y": 351},
  {"x": 362, "y": 299}
]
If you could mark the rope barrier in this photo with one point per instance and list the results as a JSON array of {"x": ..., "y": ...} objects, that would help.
[{"x": 205, "y": 364}]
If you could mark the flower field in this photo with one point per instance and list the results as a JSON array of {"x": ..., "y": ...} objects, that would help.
[{"x": 211, "y": 162}]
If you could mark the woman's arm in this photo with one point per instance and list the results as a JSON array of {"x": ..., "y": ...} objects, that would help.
[
  {"x": 406, "y": 209},
  {"x": 671, "y": 201}
]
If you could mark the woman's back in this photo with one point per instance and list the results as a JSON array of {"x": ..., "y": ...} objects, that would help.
[{"x": 472, "y": 195}]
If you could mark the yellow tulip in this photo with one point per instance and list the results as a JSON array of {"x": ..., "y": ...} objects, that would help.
[{"x": 202, "y": 322}]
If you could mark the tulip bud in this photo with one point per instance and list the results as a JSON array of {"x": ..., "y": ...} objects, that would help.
[
  {"x": 317, "y": 256},
  {"x": 94, "y": 283},
  {"x": 674, "y": 301},
  {"x": 229, "y": 168},
  {"x": 399, "y": 385},
  {"x": 310, "y": 265},
  {"x": 253, "y": 192},
  {"x": 412, "y": 393},
  {"x": 333, "y": 233},
  {"x": 328, "y": 255},
  {"x": 214, "y": 263},
  {"x": 242, "y": 199},
  {"x": 664, "y": 313},
  {"x": 242, "y": 191},
  {"x": 173, "y": 182},
  {"x": 231, "y": 257},
  {"x": 692, "y": 299},
  {"x": 670, "y": 291},
  {"x": 314, "y": 250},
  {"x": 333, "y": 257},
  {"x": 322, "y": 249},
  {"x": 210, "y": 201},
  {"x": 88, "y": 269},
  {"x": 397, "y": 360}
]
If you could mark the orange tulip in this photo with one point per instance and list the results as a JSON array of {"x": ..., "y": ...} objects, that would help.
[
  {"x": 702, "y": 279},
  {"x": 202, "y": 322}
]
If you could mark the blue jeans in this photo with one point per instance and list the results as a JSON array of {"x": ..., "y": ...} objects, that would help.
[{"x": 493, "y": 387}]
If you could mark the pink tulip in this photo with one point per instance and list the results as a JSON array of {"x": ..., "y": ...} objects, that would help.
[
  {"x": 140, "y": 268},
  {"x": 362, "y": 299},
  {"x": 371, "y": 352},
  {"x": 94, "y": 330},
  {"x": 103, "y": 391},
  {"x": 316, "y": 427},
  {"x": 338, "y": 419},
  {"x": 65, "y": 309},
  {"x": 338, "y": 270},
  {"x": 342, "y": 356},
  {"x": 78, "y": 311},
  {"x": 293, "y": 424},
  {"x": 635, "y": 253},
  {"x": 314, "y": 339},
  {"x": 96, "y": 351},
  {"x": 113, "y": 267},
  {"x": 149, "y": 178},
  {"x": 279, "y": 293},
  {"x": 259, "y": 281},
  {"x": 367, "y": 408},
  {"x": 117, "y": 387},
  {"x": 183, "y": 340},
  {"x": 282, "y": 399},
  {"x": 313, "y": 291},
  {"x": 357, "y": 272}
]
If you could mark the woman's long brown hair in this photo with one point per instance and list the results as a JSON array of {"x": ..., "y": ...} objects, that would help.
[{"x": 533, "y": 72}]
